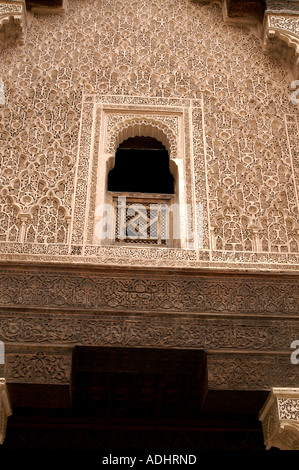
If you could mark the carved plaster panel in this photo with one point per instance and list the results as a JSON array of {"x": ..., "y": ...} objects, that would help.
[
  {"x": 226, "y": 109},
  {"x": 109, "y": 121}
]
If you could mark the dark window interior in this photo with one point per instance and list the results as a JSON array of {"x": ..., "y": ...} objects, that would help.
[{"x": 141, "y": 165}]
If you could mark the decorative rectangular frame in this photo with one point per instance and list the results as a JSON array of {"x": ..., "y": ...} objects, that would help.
[{"x": 108, "y": 119}]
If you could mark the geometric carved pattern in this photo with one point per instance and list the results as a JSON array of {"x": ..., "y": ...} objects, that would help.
[
  {"x": 102, "y": 291},
  {"x": 225, "y": 316},
  {"x": 221, "y": 106},
  {"x": 38, "y": 367},
  {"x": 68, "y": 289},
  {"x": 237, "y": 158}
]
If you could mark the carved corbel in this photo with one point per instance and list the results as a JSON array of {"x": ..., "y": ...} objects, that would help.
[
  {"x": 280, "y": 419},
  {"x": 13, "y": 21},
  {"x": 5, "y": 409},
  {"x": 281, "y": 21}
]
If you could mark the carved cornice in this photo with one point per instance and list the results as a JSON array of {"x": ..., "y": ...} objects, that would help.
[
  {"x": 280, "y": 418},
  {"x": 5, "y": 409},
  {"x": 57, "y": 7},
  {"x": 278, "y": 19}
]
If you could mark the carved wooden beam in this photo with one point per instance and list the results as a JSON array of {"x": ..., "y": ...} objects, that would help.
[
  {"x": 280, "y": 419},
  {"x": 5, "y": 409}
]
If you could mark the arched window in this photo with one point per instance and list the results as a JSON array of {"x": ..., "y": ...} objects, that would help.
[
  {"x": 143, "y": 192},
  {"x": 141, "y": 165}
]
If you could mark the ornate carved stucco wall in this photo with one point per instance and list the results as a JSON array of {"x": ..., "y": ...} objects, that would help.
[
  {"x": 238, "y": 128},
  {"x": 218, "y": 94}
]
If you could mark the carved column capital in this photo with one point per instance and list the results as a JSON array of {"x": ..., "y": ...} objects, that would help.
[
  {"x": 13, "y": 21},
  {"x": 5, "y": 409},
  {"x": 280, "y": 419}
]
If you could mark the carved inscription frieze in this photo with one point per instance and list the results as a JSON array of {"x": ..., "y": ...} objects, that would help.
[
  {"x": 149, "y": 292},
  {"x": 208, "y": 332},
  {"x": 238, "y": 320}
]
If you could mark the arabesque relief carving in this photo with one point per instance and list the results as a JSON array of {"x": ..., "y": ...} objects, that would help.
[
  {"x": 239, "y": 321},
  {"x": 118, "y": 292},
  {"x": 240, "y": 159},
  {"x": 216, "y": 91}
]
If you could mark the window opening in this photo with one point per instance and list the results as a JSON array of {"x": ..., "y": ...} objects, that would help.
[
  {"x": 143, "y": 191},
  {"x": 141, "y": 165}
]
